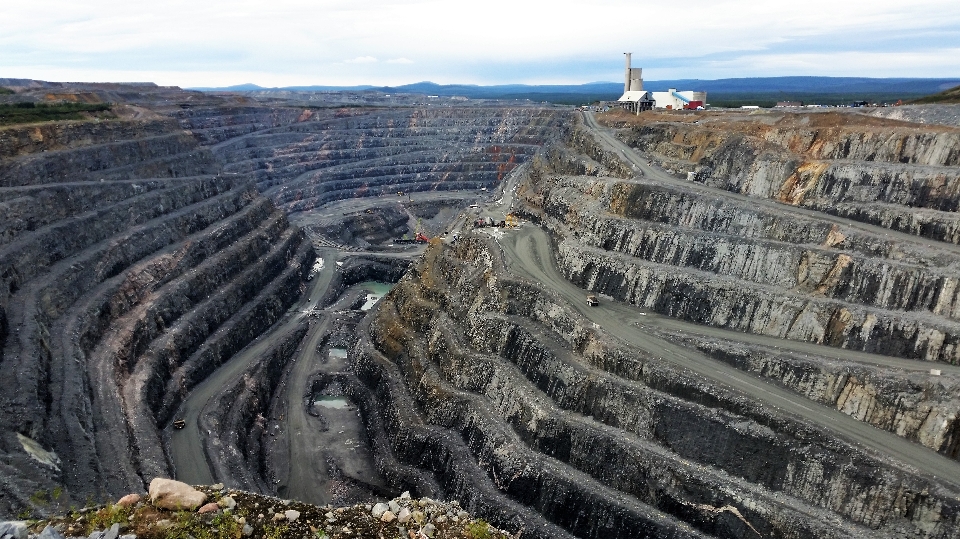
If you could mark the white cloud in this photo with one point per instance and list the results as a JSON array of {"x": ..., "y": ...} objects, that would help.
[
  {"x": 494, "y": 42},
  {"x": 361, "y": 60}
]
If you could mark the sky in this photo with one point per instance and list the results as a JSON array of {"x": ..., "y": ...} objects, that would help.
[{"x": 332, "y": 42}]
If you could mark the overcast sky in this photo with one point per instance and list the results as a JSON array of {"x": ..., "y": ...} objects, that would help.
[{"x": 332, "y": 42}]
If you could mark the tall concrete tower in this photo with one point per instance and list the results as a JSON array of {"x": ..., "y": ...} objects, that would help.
[{"x": 632, "y": 77}]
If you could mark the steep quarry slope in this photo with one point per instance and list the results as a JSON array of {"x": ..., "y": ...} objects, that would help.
[
  {"x": 899, "y": 175},
  {"x": 129, "y": 269},
  {"x": 137, "y": 256},
  {"x": 757, "y": 266},
  {"x": 303, "y": 159},
  {"x": 760, "y": 266},
  {"x": 483, "y": 370}
]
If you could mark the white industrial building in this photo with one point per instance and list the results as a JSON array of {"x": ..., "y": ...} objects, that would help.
[
  {"x": 672, "y": 99},
  {"x": 636, "y": 99}
]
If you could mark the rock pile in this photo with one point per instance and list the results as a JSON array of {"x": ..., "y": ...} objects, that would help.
[{"x": 237, "y": 514}]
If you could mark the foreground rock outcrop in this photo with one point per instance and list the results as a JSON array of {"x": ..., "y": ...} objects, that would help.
[{"x": 236, "y": 513}]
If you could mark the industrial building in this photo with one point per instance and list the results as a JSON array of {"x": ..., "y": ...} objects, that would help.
[
  {"x": 636, "y": 99},
  {"x": 675, "y": 100}
]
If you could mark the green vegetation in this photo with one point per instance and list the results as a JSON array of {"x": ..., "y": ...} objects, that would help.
[
  {"x": 6, "y": 91},
  {"x": 188, "y": 526},
  {"x": 275, "y": 531},
  {"x": 108, "y": 516},
  {"x": 22, "y": 113},
  {"x": 947, "y": 96},
  {"x": 767, "y": 100},
  {"x": 478, "y": 529}
]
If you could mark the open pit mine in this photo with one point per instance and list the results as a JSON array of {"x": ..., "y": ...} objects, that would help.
[{"x": 728, "y": 324}]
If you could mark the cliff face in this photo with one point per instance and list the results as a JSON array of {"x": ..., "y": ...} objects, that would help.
[
  {"x": 129, "y": 269},
  {"x": 138, "y": 256},
  {"x": 500, "y": 390},
  {"x": 884, "y": 172},
  {"x": 303, "y": 159},
  {"x": 729, "y": 263}
]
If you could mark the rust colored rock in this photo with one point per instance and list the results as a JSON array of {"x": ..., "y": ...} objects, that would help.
[
  {"x": 171, "y": 494},
  {"x": 211, "y": 507}
]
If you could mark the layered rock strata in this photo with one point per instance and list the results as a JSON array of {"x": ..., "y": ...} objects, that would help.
[
  {"x": 137, "y": 257},
  {"x": 129, "y": 270},
  {"x": 305, "y": 158},
  {"x": 693, "y": 253},
  {"x": 890, "y": 173},
  {"x": 490, "y": 383}
]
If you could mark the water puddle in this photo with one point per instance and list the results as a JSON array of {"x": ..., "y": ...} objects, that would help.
[
  {"x": 335, "y": 403},
  {"x": 337, "y": 353},
  {"x": 376, "y": 290}
]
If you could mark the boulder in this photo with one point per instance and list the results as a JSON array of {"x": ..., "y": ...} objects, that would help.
[
  {"x": 174, "y": 495},
  {"x": 129, "y": 500},
  {"x": 379, "y": 509}
]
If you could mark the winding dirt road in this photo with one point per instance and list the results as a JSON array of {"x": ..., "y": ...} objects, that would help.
[
  {"x": 529, "y": 255},
  {"x": 186, "y": 446}
]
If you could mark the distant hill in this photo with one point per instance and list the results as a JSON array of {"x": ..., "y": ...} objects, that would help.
[
  {"x": 761, "y": 90},
  {"x": 947, "y": 96},
  {"x": 250, "y": 87}
]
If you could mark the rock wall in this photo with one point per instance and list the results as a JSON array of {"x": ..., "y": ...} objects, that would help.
[
  {"x": 597, "y": 439},
  {"x": 893, "y": 174},
  {"x": 129, "y": 270},
  {"x": 728, "y": 263}
]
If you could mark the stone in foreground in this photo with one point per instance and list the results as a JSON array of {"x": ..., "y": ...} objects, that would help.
[{"x": 171, "y": 494}]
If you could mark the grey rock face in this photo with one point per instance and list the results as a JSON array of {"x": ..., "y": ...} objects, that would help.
[
  {"x": 471, "y": 360},
  {"x": 14, "y": 530},
  {"x": 130, "y": 269}
]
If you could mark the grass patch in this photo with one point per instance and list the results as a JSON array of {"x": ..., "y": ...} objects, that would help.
[
  {"x": 478, "y": 529},
  {"x": 947, "y": 96},
  {"x": 108, "y": 516},
  {"x": 22, "y": 113},
  {"x": 6, "y": 91}
]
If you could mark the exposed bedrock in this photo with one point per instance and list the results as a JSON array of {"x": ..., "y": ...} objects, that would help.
[
  {"x": 893, "y": 174},
  {"x": 137, "y": 257},
  {"x": 86, "y": 151},
  {"x": 360, "y": 268},
  {"x": 375, "y": 226},
  {"x": 913, "y": 405},
  {"x": 236, "y": 418},
  {"x": 598, "y": 438},
  {"x": 728, "y": 263},
  {"x": 303, "y": 159},
  {"x": 128, "y": 272}
]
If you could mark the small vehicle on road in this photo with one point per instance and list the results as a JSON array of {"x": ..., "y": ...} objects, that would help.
[
  {"x": 592, "y": 300},
  {"x": 179, "y": 424}
]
